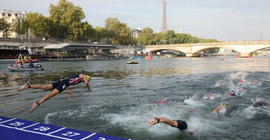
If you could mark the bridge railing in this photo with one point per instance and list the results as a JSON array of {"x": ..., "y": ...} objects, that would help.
[{"x": 215, "y": 43}]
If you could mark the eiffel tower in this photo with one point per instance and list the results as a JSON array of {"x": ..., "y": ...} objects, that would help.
[{"x": 164, "y": 19}]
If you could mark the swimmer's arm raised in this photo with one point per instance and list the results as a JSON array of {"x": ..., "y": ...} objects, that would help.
[
  {"x": 216, "y": 110},
  {"x": 254, "y": 82},
  {"x": 220, "y": 81}
]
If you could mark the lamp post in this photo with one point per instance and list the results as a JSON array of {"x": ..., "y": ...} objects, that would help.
[{"x": 64, "y": 36}]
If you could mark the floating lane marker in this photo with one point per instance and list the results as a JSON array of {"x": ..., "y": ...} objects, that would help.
[{"x": 14, "y": 129}]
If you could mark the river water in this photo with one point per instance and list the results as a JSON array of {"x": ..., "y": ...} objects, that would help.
[{"x": 122, "y": 98}]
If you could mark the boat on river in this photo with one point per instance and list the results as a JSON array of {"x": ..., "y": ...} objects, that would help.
[
  {"x": 11, "y": 52},
  {"x": 132, "y": 62},
  {"x": 16, "y": 68}
]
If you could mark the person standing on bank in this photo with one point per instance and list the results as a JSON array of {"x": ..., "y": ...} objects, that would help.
[{"x": 58, "y": 87}]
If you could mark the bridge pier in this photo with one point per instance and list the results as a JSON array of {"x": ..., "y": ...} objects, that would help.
[
  {"x": 245, "y": 55},
  {"x": 192, "y": 55}
]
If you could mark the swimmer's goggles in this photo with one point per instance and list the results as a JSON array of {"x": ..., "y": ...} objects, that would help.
[{"x": 223, "y": 104}]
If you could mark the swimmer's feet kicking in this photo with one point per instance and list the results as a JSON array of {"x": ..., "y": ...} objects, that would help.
[
  {"x": 153, "y": 121},
  {"x": 24, "y": 87},
  {"x": 35, "y": 105}
]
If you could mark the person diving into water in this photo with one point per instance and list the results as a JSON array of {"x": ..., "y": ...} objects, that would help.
[{"x": 58, "y": 87}]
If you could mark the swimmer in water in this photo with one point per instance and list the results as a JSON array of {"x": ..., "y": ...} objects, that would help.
[
  {"x": 181, "y": 125},
  {"x": 232, "y": 93},
  {"x": 258, "y": 104},
  {"x": 255, "y": 82},
  {"x": 240, "y": 73},
  {"x": 221, "y": 109},
  {"x": 208, "y": 97},
  {"x": 220, "y": 81},
  {"x": 58, "y": 87},
  {"x": 162, "y": 101},
  {"x": 242, "y": 81}
]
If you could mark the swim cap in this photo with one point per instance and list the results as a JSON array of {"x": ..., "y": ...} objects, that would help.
[
  {"x": 233, "y": 91},
  {"x": 241, "y": 80},
  {"x": 223, "y": 104},
  {"x": 251, "y": 84},
  {"x": 88, "y": 78}
]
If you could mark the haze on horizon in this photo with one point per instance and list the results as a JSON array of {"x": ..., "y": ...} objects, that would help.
[{"x": 221, "y": 20}]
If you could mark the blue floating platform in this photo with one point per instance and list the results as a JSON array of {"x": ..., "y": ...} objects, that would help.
[{"x": 17, "y": 129}]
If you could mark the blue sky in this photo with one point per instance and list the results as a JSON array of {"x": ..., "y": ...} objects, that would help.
[{"x": 219, "y": 19}]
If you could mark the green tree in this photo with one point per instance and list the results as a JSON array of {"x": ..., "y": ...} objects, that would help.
[
  {"x": 170, "y": 35},
  {"x": 207, "y": 40},
  {"x": 157, "y": 37},
  {"x": 124, "y": 37},
  {"x": 38, "y": 24},
  {"x": 20, "y": 27},
  {"x": 118, "y": 32},
  {"x": 182, "y": 38},
  {"x": 4, "y": 27},
  {"x": 68, "y": 17},
  {"x": 83, "y": 32},
  {"x": 147, "y": 36},
  {"x": 100, "y": 32},
  {"x": 113, "y": 26}
]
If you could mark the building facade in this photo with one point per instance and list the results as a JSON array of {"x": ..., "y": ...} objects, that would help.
[
  {"x": 135, "y": 32},
  {"x": 225, "y": 51},
  {"x": 12, "y": 17}
]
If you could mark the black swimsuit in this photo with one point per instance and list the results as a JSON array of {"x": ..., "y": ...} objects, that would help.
[{"x": 182, "y": 125}]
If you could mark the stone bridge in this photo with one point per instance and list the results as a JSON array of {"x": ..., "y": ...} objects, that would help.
[{"x": 194, "y": 49}]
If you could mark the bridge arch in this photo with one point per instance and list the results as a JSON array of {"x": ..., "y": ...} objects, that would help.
[
  {"x": 259, "y": 48},
  {"x": 193, "y": 50},
  {"x": 161, "y": 49},
  {"x": 200, "y": 49}
]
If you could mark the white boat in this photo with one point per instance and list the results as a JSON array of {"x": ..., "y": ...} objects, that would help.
[{"x": 16, "y": 68}]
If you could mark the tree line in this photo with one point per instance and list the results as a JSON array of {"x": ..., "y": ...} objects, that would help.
[
  {"x": 148, "y": 37},
  {"x": 66, "y": 23}
]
